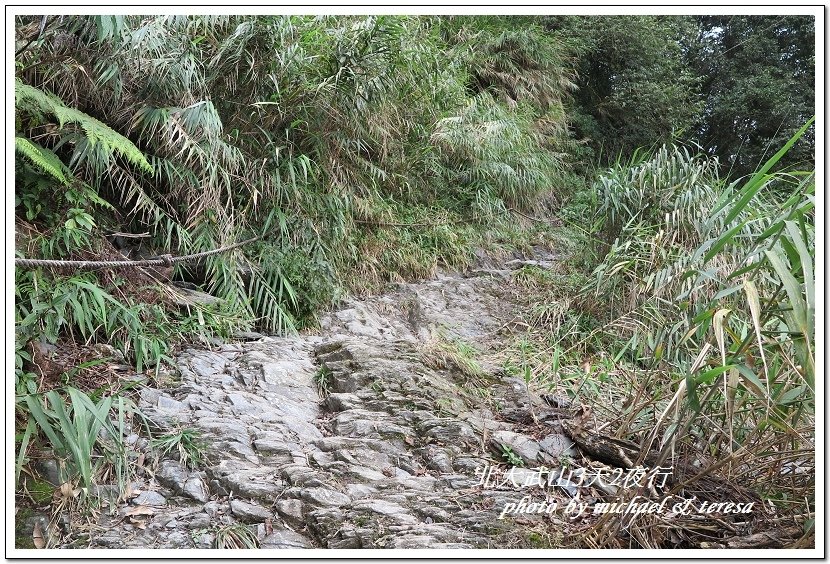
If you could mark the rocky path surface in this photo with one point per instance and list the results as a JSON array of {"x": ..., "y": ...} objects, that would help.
[{"x": 370, "y": 435}]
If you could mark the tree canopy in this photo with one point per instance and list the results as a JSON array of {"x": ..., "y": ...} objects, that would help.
[{"x": 758, "y": 83}]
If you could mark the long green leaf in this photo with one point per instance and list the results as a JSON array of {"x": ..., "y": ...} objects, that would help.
[
  {"x": 806, "y": 264},
  {"x": 70, "y": 427},
  {"x": 752, "y": 382},
  {"x": 28, "y": 433},
  {"x": 33, "y": 402},
  {"x": 793, "y": 289},
  {"x": 759, "y": 179},
  {"x": 708, "y": 376},
  {"x": 722, "y": 241}
]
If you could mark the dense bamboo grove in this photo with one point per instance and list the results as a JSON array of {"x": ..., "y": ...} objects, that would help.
[{"x": 675, "y": 154}]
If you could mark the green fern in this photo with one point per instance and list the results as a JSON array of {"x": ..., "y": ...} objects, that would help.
[
  {"x": 43, "y": 158},
  {"x": 36, "y": 101}
]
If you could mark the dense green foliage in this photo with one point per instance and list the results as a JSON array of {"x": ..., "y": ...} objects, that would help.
[
  {"x": 705, "y": 261},
  {"x": 325, "y": 136},
  {"x": 634, "y": 89},
  {"x": 709, "y": 291},
  {"x": 365, "y": 149},
  {"x": 758, "y": 80},
  {"x": 310, "y": 132}
]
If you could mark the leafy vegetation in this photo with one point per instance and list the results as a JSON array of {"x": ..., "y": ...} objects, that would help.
[
  {"x": 698, "y": 321},
  {"x": 237, "y": 536},
  {"x": 323, "y": 381},
  {"x": 74, "y": 427},
  {"x": 511, "y": 457},
  {"x": 360, "y": 150},
  {"x": 453, "y": 353},
  {"x": 758, "y": 76},
  {"x": 187, "y": 443}
]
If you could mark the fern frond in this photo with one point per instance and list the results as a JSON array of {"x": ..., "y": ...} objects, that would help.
[
  {"x": 43, "y": 158},
  {"x": 29, "y": 98}
]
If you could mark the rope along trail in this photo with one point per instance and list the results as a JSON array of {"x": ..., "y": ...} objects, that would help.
[
  {"x": 163, "y": 260},
  {"x": 169, "y": 260}
]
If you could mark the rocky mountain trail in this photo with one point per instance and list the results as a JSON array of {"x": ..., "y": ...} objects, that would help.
[{"x": 376, "y": 433}]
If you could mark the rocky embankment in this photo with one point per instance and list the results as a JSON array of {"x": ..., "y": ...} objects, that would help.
[{"x": 370, "y": 435}]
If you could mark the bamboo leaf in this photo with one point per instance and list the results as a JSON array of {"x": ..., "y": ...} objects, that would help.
[
  {"x": 722, "y": 241},
  {"x": 33, "y": 402},
  {"x": 791, "y": 396},
  {"x": 726, "y": 292},
  {"x": 709, "y": 376},
  {"x": 752, "y": 382},
  {"x": 793, "y": 289},
  {"x": 754, "y": 301},
  {"x": 28, "y": 433},
  {"x": 718, "y": 325},
  {"x": 806, "y": 264}
]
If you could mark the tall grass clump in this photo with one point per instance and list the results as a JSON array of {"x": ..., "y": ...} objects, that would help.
[
  {"x": 325, "y": 136},
  {"x": 709, "y": 287}
]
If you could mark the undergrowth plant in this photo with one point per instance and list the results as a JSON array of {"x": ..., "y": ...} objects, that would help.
[
  {"x": 84, "y": 434},
  {"x": 235, "y": 536},
  {"x": 709, "y": 289},
  {"x": 357, "y": 128},
  {"x": 186, "y": 443},
  {"x": 50, "y": 307},
  {"x": 700, "y": 271},
  {"x": 451, "y": 352}
]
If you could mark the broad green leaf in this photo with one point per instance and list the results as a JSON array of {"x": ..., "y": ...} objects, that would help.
[
  {"x": 703, "y": 316},
  {"x": 36, "y": 410},
  {"x": 790, "y": 396},
  {"x": 752, "y": 382},
  {"x": 746, "y": 269},
  {"x": 726, "y": 292},
  {"x": 709, "y": 376}
]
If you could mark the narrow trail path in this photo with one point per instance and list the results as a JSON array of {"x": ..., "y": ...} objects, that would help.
[{"x": 373, "y": 434}]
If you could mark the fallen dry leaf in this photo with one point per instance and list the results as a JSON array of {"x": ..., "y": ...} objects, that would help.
[
  {"x": 66, "y": 489},
  {"x": 269, "y": 527},
  {"x": 139, "y": 523},
  {"x": 65, "y": 492},
  {"x": 140, "y": 510},
  {"x": 37, "y": 536}
]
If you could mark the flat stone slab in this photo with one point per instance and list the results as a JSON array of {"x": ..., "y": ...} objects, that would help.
[{"x": 249, "y": 512}]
